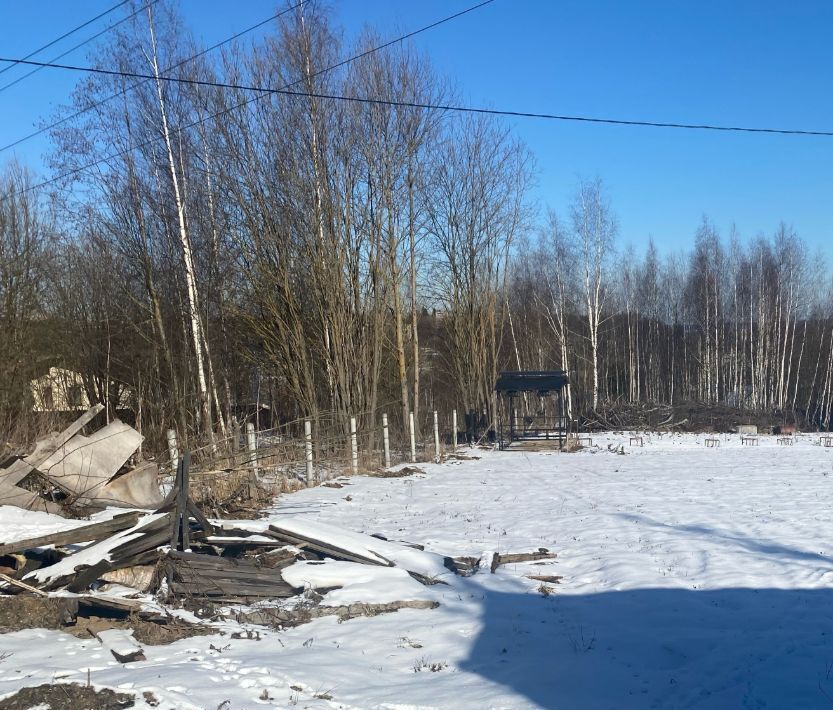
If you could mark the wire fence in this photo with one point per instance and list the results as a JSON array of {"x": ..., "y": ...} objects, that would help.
[{"x": 312, "y": 451}]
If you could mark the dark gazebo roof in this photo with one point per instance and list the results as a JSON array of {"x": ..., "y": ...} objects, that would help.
[{"x": 540, "y": 381}]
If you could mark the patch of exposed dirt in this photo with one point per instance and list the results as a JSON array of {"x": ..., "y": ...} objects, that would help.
[
  {"x": 66, "y": 696},
  {"x": 149, "y": 633},
  {"x": 25, "y": 612},
  {"x": 400, "y": 473}
]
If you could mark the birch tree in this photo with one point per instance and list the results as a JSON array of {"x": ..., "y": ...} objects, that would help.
[{"x": 594, "y": 225}]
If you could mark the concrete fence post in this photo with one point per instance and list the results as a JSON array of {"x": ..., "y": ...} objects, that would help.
[
  {"x": 354, "y": 447},
  {"x": 413, "y": 439},
  {"x": 436, "y": 437},
  {"x": 173, "y": 449},
  {"x": 454, "y": 429},
  {"x": 308, "y": 450},
  {"x": 251, "y": 445},
  {"x": 386, "y": 439}
]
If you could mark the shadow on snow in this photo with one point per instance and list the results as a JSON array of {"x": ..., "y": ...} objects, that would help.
[
  {"x": 668, "y": 648},
  {"x": 750, "y": 544}
]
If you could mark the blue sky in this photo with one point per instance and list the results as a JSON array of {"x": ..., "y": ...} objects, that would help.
[{"x": 762, "y": 63}]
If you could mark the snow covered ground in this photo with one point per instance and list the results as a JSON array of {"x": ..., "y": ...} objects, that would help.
[{"x": 692, "y": 577}]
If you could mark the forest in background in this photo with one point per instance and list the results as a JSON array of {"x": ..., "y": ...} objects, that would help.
[{"x": 213, "y": 248}]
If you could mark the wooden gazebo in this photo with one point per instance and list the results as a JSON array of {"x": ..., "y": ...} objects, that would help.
[{"x": 531, "y": 407}]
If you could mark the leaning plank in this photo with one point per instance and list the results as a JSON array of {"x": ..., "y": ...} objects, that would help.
[
  {"x": 119, "y": 550},
  {"x": 46, "y": 447},
  {"x": 326, "y": 549},
  {"x": 22, "y": 585},
  {"x": 342, "y": 544},
  {"x": 87, "y": 533},
  {"x": 86, "y": 576},
  {"x": 198, "y": 515}
]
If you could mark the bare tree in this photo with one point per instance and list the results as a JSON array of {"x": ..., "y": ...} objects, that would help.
[{"x": 595, "y": 228}]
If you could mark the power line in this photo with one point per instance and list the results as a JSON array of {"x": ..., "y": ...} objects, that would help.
[
  {"x": 67, "y": 34},
  {"x": 98, "y": 34},
  {"x": 285, "y": 91},
  {"x": 263, "y": 94},
  {"x": 103, "y": 101}
]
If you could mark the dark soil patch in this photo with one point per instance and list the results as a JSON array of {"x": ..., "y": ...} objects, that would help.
[
  {"x": 25, "y": 612},
  {"x": 148, "y": 633},
  {"x": 401, "y": 473},
  {"x": 65, "y": 696}
]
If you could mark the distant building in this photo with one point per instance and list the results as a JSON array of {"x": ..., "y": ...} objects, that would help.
[{"x": 61, "y": 390}]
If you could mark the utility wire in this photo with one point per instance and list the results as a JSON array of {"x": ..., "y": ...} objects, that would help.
[
  {"x": 67, "y": 34},
  {"x": 98, "y": 34},
  {"x": 263, "y": 94},
  {"x": 285, "y": 91},
  {"x": 139, "y": 83}
]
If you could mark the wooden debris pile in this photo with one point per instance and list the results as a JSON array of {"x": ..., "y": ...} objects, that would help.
[
  {"x": 71, "y": 470},
  {"x": 178, "y": 554}
]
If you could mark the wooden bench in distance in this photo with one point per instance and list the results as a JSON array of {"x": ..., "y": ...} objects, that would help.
[
  {"x": 712, "y": 442},
  {"x": 748, "y": 440}
]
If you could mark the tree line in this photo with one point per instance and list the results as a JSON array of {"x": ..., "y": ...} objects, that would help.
[{"x": 211, "y": 248}]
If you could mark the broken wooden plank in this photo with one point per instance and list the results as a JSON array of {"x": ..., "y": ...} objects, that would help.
[
  {"x": 550, "y": 578},
  {"x": 119, "y": 550},
  {"x": 86, "y": 533},
  {"x": 181, "y": 514},
  {"x": 107, "y": 605},
  {"x": 22, "y": 585},
  {"x": 120, "y": 605},
  {"x": 464, "y": 566},
  {"x": 84, "y": 577},
  {"x": 514, "y": 557},
  {"x": 340, "y": 543},
  {"x": 121, "y": 644},
  {"x": 250, "y": 541},
  {"x": 198, "y": 575},
  {"x": 198, "y": 515},
  {"x": 326, "y": 549}
]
